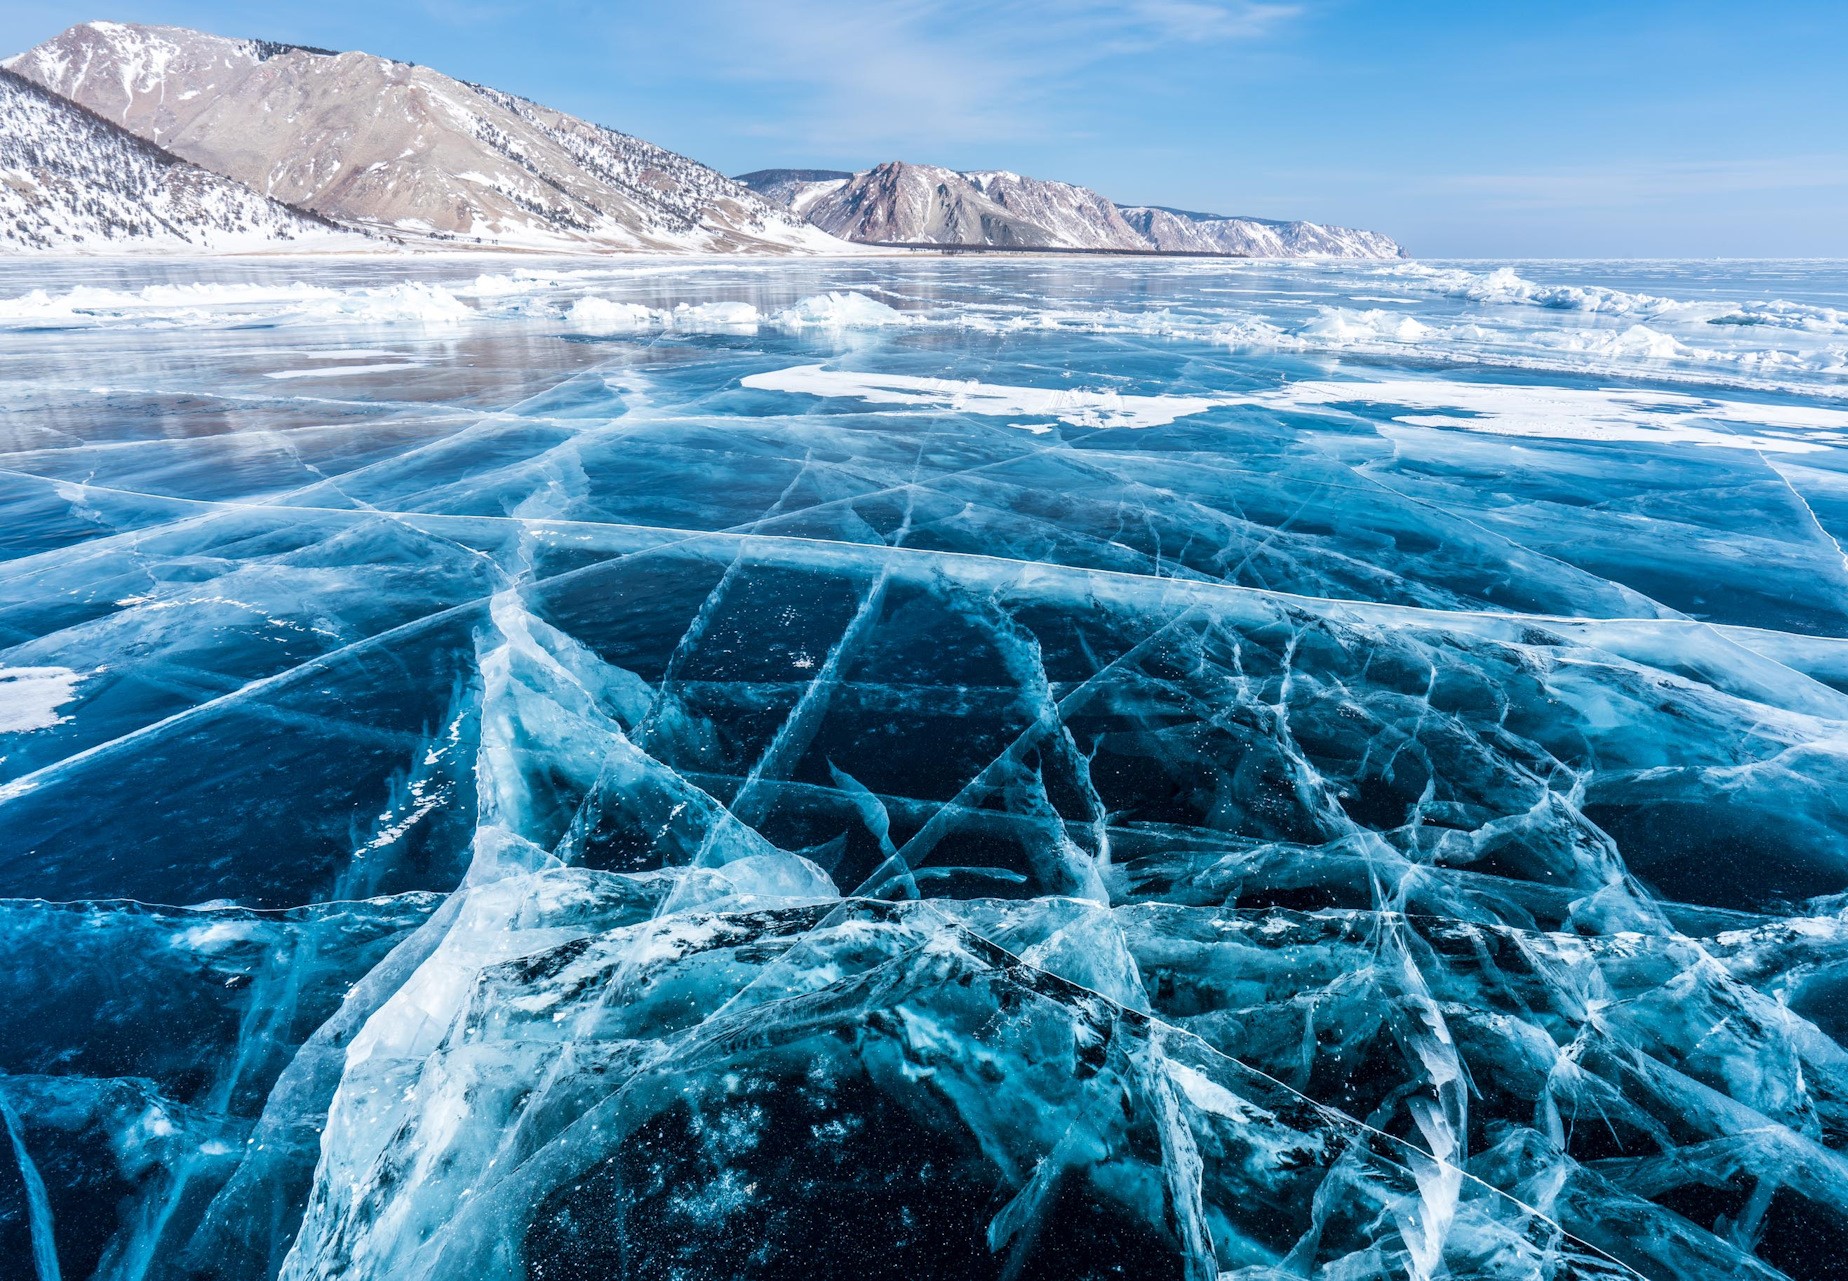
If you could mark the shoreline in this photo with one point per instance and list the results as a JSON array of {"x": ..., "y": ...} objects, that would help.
[{"x": 869, "y": 253}]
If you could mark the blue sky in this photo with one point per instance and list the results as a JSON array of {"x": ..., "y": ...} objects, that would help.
[{"x": 1494, "y": 129}]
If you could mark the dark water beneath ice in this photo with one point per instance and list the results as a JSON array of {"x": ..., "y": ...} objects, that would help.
[{"x": 527, "y": 769}]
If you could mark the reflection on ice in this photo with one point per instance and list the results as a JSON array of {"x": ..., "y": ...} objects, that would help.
[{"x": 659, "y": 775}]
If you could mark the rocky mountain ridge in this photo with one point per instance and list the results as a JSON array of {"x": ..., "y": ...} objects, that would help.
[
  {"x": 404, "y": 149},
  {"x": 899, "y": 202},
  {"x": 1174, "y": 230},
  {"x": 255, "y": 142}
]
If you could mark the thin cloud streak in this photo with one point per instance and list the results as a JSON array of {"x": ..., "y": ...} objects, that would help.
[{"x": 933, "y": 74}]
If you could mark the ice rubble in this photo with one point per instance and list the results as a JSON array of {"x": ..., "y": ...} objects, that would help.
[
  {"x": 830, "y": 311},
  {"x": 592, "y": 315},
  {"x": 838, "y": 310},
  {"x": 421, "y": 303},
  {"x": 1770, "y": 345},
  {"x": 714, "y": 817},
  {"x": 413, "y": 302},
  {"x": 1507, "y": 287}
]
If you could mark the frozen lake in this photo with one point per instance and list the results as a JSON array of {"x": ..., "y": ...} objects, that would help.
[{"x": 1055, "y": 768}]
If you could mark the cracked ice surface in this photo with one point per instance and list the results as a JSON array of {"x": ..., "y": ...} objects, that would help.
[{"x": 930, "y": 769}]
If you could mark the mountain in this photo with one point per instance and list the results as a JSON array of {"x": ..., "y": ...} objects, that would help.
[
  {"x": 376, "y": 143},
  {"x": 795, "y": 189},
  {"x": 903, "y": 203},
  {"x": 1179, "y": 229},
  {"x": 913, "y": 204},
  {"x": 389, "y": 146},
  {"x": 1071, "y": 215},
  {"x": 907, "y": 203},
  {"x": 71, "y": 181}
]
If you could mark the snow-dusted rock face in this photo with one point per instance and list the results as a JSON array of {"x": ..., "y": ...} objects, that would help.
[
  {"x": 386, "y": 144},
  {"x": 71, "y": 182},
  {"x": 921, "y": 204},
  {"x": 925, "y": 204},
  {"x": 1073, "y": 216},
  {"x": 1175, "y": 229}
]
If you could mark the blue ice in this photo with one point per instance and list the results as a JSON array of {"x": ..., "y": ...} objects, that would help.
[{"x": 556, "y": 770}]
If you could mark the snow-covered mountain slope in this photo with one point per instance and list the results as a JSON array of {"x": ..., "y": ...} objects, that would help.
[
  {"x": 1176, "y": 229},
  {"x": 72, "y": 182},
  {"x": 387, "y": 144},
  {"x": 899, "y": 202}
]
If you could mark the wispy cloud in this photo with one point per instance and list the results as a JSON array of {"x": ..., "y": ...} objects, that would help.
[
  {"x": 1200, "y": 20},
  {"x": 926, "y": 73}
]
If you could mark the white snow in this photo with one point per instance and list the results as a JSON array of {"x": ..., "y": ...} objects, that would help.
[
  {"x": 31, "y": 696},
  {"x": 1612, "y": 415},
  {"x": 1080, "y": 408},
  {"x": 1608, "y": 415}
]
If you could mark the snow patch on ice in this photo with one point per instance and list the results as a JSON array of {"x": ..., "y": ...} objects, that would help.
[
  {"x": 31, "y": 696},
  {"x": 1080, "y": 408},
  {"x": 1571, "y": 413},
  {"x": 1608, "y": 415}
]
